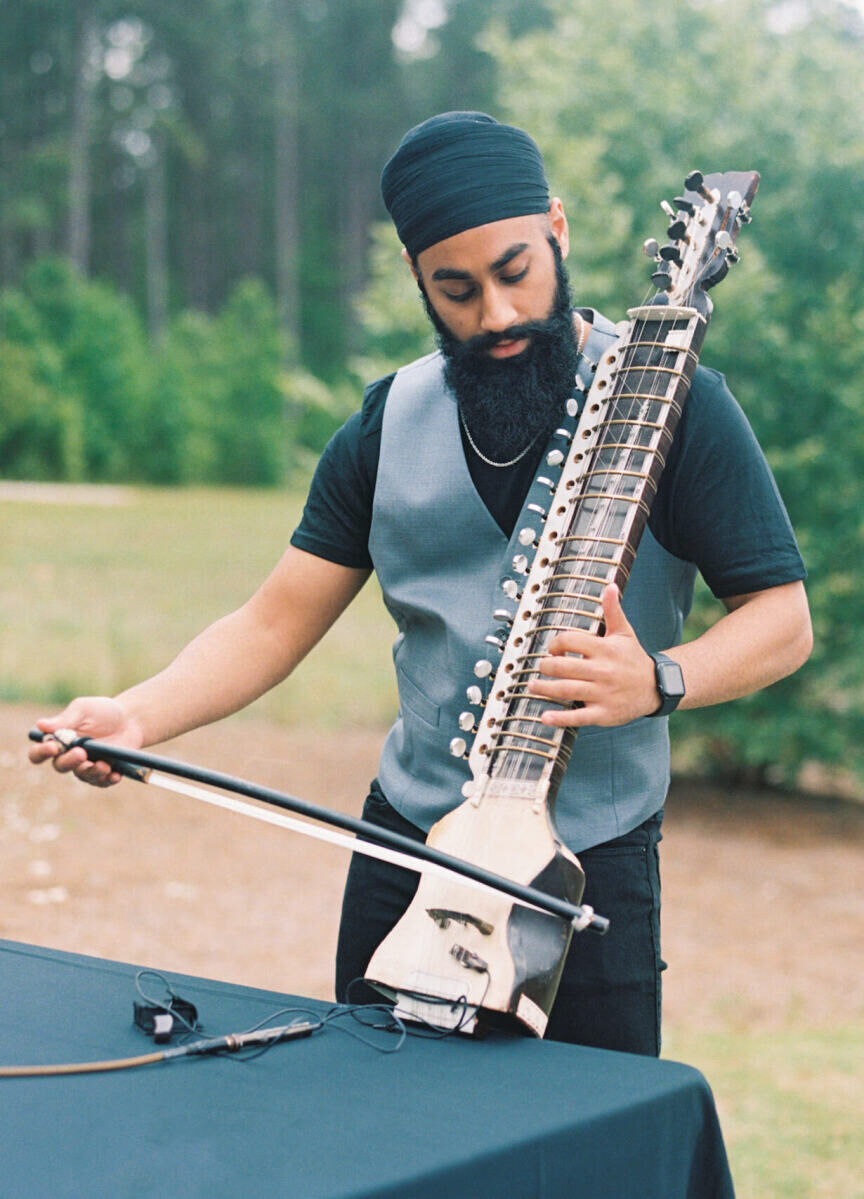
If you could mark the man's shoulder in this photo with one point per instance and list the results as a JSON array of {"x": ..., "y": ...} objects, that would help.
[
  {"x": 375, "y": 393},
  {"x": 427, "y": 362}
]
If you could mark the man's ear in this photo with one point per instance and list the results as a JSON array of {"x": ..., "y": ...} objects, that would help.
[
  {"x": 411, "y": 267},
  {"x": 558, "y": 225}
]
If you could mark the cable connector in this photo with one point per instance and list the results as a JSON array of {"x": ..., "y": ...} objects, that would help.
[{"x": 163, "y": 1022}]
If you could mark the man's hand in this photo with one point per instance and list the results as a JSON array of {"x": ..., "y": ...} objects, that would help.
[
  {"x": 93, "y": 716},
  {"x": 612, "y": 676}
]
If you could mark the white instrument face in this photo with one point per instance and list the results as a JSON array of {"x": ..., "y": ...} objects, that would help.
[{"x": 454, "y": 956}]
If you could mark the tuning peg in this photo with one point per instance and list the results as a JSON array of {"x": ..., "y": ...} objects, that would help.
[
  {"x": 496, "y": 641},
  {"x": 671, "y": 253},
  {"x": 482, "y": 669},
  {"x": 677, "y": 228},
  {"x": 511, "y": 589},
  {"x": 651, "y": 247},
  {"x": 474, "y": 695},
  {"x": 466, "y": 722},
  {"x": 504, "y": 615},
  {"x": 527, "y": 536},
  {"x": 554, "y": 458},
  {"x": 537, "y": 510},
  {"x": 542, "y": 481},
  {"x": 662, "y": 280},
  {"x": 725, "y": 241},
  {"x": 685, "y": 205},
  {"x": 520, "y": 564},
  {"x": 695, "y": 182},
  {"x": 459, "y": 747},
  {"x": 667, "y": 208}
]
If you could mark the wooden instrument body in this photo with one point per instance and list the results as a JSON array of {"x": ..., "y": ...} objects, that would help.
[
  {"x": 454, "y": 955},
  {"x": 461, "y": 950}
]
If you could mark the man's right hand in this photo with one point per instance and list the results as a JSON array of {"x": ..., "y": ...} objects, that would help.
[{"x": 98, "y": 717}]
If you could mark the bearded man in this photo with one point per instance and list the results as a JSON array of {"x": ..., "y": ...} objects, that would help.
[{"x": 426, "y": 485}]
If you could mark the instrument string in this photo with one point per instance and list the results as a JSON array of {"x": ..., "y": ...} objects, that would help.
[{"x": 625, "y": 469}]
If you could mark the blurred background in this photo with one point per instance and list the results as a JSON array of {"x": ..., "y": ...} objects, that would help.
[{"x": 197, "y": 279}]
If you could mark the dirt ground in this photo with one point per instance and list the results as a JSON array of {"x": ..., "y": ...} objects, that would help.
[{"x": 763, "y": 916}]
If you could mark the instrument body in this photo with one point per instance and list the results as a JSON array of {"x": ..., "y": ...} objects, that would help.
[{"x": 454, "y": 959}]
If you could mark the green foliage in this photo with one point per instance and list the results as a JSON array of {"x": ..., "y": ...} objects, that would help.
[
  {"x": 250, "y": 432},
  {"x": 41, "y": 431},
  {"x": 315, "y": 410},
  {"x": 218, "y": 412},
  {"x": 85, "y": 395},
  {"x": 390, "y": 311},
  {"x": 84, "y": 341}
]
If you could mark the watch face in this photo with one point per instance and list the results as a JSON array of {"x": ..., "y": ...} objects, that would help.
[{"x": 670, "y": 680}]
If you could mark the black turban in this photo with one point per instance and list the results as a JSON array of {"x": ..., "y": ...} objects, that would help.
[{"x": 459, "y": 170}]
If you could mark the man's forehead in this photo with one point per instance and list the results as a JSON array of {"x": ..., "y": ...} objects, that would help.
[{"x": 486, "y": 247}]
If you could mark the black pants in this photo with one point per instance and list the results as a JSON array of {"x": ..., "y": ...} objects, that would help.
[{"x": 609, "y": 995}]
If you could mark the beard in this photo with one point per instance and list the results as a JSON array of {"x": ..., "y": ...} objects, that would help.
[{"x": 507, "y": 404}]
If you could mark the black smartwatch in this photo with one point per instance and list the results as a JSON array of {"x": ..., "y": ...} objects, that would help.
[{"x": 670, "y": 683}]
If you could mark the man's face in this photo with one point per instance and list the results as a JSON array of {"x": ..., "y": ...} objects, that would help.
[
  {"x": 499, "y": 298},
  {"x": 488, "y": 281}
]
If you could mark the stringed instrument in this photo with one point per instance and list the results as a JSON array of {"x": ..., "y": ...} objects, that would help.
[{"x": 458, "y": 960}]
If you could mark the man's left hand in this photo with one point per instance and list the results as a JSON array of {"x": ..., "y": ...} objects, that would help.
[{"x": 611, "y": 677}]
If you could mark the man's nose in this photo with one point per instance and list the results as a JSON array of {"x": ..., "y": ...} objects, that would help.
[{"x": 498, "y": 312}]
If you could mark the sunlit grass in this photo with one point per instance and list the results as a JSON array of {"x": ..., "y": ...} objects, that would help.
[
  {"x": 790, "y": 1104},
  {"x": 94, "y": 598}
]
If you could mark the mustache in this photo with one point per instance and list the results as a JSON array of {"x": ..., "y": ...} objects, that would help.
[{"x": 482, "y": 342}]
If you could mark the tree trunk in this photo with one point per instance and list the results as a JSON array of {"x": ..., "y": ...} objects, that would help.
[
  {"x": 156, "y": 241},
  {"x": 287, "y": 224},
  {"x": 85, "y": 43}
]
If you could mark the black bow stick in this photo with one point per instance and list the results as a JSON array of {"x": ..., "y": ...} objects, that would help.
[{"x": 393, "y": 847}]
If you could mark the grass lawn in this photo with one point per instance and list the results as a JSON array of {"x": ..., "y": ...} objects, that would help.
[
  {"x": 96, "y": 597},
  {"x": 790, "y": 1104}
]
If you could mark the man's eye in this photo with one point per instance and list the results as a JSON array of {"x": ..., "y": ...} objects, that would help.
[
  {"x": 517, "y": 278},
  {"x": 459, "y": 297}
]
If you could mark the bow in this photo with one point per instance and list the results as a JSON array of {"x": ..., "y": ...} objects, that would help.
[{"x": 167, "y": 773}]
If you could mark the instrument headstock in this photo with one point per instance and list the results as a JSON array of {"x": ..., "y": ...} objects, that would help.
[{"x": 703, "y": 227}]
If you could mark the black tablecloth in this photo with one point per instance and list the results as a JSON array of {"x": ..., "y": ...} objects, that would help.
[{"x": 328, "y": 1116}]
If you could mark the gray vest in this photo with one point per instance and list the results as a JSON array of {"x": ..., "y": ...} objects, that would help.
[{"x": 441, "y": 559}]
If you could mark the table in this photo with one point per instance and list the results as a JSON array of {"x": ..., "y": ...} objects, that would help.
[{"x": 328, "y": 1116}]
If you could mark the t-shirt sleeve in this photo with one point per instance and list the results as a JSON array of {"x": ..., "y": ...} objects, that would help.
[
  {"x": 718, "y": 504},
  {"x": 337, "y": 515}
]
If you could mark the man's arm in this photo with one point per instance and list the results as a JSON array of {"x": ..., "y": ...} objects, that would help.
[
  {"x": 227, "y": 666},
  {"x": 763, "y": 637}
]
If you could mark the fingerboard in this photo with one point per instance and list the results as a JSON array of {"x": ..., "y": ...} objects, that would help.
[{"x": 596, "y": 516}]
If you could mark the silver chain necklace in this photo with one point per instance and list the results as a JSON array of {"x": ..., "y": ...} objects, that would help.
[
  {"x": 483, "y": 457},
  {"x": 503, "y": 465}
]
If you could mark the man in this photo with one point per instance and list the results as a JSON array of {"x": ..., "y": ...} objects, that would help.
[{"x": 426, "y": 485}]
